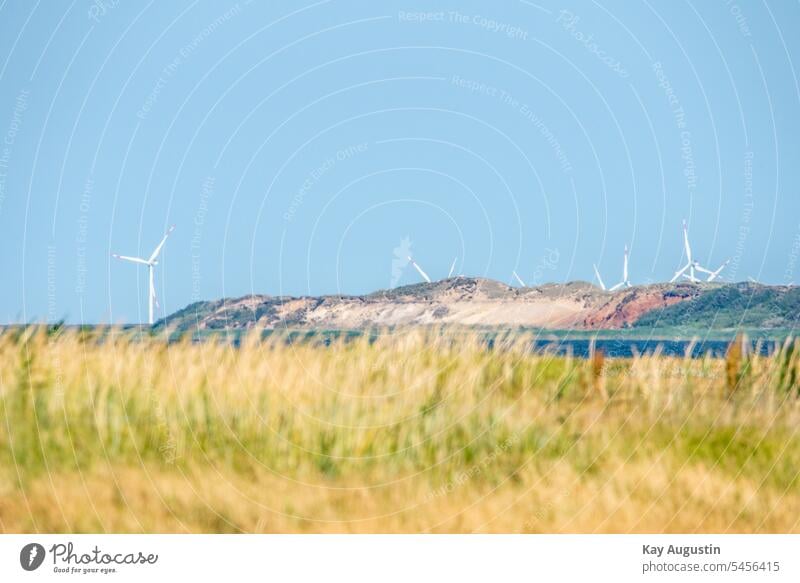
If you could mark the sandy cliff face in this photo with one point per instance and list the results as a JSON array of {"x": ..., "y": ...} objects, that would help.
[
  {"x": 461, "y": 300},
  {"x": 625, "y": 307}
]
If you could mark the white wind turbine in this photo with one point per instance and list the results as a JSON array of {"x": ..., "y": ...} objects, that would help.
[
  {"x": 519, "y": 279},
  {"x": 419, "y": 269},
  {"x": 150, "y": 262},
  {"x": 693, "y": 265}
]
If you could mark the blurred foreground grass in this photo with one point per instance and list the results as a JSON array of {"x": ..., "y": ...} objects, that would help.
[{"x": 418, "y": 431}]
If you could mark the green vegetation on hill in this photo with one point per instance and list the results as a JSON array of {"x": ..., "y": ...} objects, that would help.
[
  {"x": 742, "y": 305},
  {"x": 188, "y": 317}
]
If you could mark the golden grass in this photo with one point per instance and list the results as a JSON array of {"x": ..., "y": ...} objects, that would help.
[{"x": 418, "y": 431}]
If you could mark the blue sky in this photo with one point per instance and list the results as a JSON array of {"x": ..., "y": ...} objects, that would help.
[{"x": 296, "y": 145}]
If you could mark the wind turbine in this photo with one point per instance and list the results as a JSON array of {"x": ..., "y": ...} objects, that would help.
[
  {"x": 691, "y": 265},
  {"x": 150, "y": 262},
  {"x": 625, "y": 281},
  {"x": 419, "y": 269},
  {"x": 519, "y": 279}
]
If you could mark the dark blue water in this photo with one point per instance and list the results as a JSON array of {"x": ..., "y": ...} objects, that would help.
[
  {"x": 623, "y": 348},
  {"x": 581, "y": 347}
]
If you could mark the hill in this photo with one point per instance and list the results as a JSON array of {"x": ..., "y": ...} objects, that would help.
[{"x": 473, "y": 301}]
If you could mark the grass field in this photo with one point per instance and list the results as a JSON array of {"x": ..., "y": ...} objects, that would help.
[{"x": 419, "y": 431}]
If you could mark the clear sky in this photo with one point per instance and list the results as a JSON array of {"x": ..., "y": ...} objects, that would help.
[{"x": 299, "y": 147}]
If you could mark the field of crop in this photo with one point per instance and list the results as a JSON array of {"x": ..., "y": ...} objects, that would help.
[{"x": 418, "y": 431}]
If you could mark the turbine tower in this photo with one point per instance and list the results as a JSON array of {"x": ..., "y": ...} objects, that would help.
[
  {"x": 419, "y": 269},
  {"x": 625, "y": 281},
  {"x": 150, "y": 262}
]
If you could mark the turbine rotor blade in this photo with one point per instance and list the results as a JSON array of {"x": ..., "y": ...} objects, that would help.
[
  {"x": 452, "y": 267},
  {"x": 680, "y": 272},
  {"x": 716, "y": 273},
  {"x": 616, "y": 287},
  {"x": 132, "y": 259},
  {"x": 419, "y": 270},
  {"x": 599, "y": 279},
  {"x": 160, "y": 245},
  {"x": 519, "y": 279}
]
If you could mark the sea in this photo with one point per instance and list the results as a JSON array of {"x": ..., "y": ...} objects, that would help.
[
  {"x": 584, "y": 347},
  {"x": 627, "y": 348}
]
